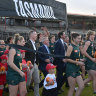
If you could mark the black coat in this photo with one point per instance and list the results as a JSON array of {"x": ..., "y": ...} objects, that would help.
[{"x": 30, "y": 55}]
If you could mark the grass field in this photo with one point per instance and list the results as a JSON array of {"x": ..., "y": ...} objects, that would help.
[{"x": 86, "y": 92}]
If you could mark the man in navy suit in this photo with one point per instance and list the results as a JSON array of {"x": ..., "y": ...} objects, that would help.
[
  {"x": 60, "y": 49},
  {"x": 44, "y": 59}
]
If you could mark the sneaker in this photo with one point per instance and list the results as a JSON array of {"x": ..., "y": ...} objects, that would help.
[
  {"x": 76, "y": 88},
  {"x": 88, "y": 84},
  {"x": 31, "y": 88}
]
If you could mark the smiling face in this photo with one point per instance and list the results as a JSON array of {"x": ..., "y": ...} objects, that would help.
[
  {"x": 46, "y": 41},
  {"x": 4, "y": 61},
  {"x": 91, "y": 37},
  {"x": 2, "y": 42},
  {"x": 77, "y": 39},
  {"x": 53, "y": 39},
  {"x": 51, "y": 71}
]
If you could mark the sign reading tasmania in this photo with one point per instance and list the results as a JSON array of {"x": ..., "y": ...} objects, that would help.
[{"x": 48, "y": 9}]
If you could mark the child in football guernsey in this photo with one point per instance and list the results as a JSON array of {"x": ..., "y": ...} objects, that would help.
[
  {"x": 50, "y": 84},
  {"x": 26, "y": 66},
  {"x": 3, "y": 69},
  {"x": 2, "y": 47}
]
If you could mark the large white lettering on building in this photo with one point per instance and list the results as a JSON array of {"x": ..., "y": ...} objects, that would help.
[{"x": 33, "y": 10}]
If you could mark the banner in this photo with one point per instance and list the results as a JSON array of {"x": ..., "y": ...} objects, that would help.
[
  {"x": 37, "y": 9},
  {"x": 34, "y": 51}
]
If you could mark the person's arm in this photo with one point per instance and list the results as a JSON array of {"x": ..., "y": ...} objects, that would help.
[
  {"x": 87, "y": 44},
  {"x": 49, "y": 83},
  {"x": 12, "y": 53},
  {"x": 69, "y": 51},
  {"x": 43, "y": 57},
  {"x": 81, "y": 52},
  {"x": 81, "y": 49}
]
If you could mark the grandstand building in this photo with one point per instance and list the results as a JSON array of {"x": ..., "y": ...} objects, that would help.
[
  {"x": 81, "y": 23},
  {"x": 58, "y": 19}
]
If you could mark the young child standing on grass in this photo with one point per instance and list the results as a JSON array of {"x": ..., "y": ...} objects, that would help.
[
  {"x": 3, "y": 69},
  {"x": 26, "y": 66},
  {"x": 50, "y": 84}
]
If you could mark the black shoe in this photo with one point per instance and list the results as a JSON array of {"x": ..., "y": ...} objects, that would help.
[
  {"x": 31, "y": 88},
  {"x": 61, "y": 90},
  {"x": 6, "y": 90},
  {"x": 67, "y": 86}
]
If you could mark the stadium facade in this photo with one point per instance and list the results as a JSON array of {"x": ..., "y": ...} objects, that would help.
[{"x": 25, "y": 15}]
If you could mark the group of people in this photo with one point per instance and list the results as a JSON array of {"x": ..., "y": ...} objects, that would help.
[{"x": 20, "y": 68}]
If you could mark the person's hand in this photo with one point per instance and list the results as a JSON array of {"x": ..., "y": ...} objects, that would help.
[
  {"x": 22, "y": 74},
  {"x": 28, "y": 70},
  {"x": 51, "y": 82},
  {"x": 82, "y": 60},
  {"x": 31, "y": 66},
  {"x": 64, "y": 60},
  {"x": 47, "y": 60},
  {"x": 94, "y": 60},
  {"x": 80, "y": 63}
]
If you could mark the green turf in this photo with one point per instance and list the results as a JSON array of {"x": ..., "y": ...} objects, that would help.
[{"x": 86, "y": 92}]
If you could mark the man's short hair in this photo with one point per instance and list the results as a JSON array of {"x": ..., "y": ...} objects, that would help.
[
  {"x": 60, "y": 34},
  {"x": 43, "y": 38},
  {"x": 31, "y": 32}
]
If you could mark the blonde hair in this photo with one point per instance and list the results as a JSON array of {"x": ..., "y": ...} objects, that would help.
[
  {"x": 1, "y": 41},
  {"x": 17, "y": 38},
  {"x": 90, "y": 32}
]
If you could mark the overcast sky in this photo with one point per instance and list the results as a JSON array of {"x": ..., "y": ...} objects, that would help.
[{"x": 80, "y": 6}]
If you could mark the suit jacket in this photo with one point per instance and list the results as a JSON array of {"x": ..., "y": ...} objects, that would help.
[
  {"x": 42, "y": 63},
  {"x": 30, "y": 55},
  {"x": 59, "y": 49}
]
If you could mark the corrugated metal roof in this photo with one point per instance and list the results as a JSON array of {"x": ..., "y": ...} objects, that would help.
[{"x": 86, "y": 15}]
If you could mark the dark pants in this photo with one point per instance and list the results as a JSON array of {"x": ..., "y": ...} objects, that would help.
[
  {"x": 50, "y": 92},
  {"x": 60, "y": 77},
  {"x": 41, "y": 83}
]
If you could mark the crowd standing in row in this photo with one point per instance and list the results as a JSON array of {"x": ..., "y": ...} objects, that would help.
[{"x": 20, "y": 68}]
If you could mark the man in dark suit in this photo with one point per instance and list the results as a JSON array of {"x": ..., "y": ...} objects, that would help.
[
  {"x": 44, "y": 59},
  {"x": 31, "y": 56},
  {"x": 60, "y": 49}
]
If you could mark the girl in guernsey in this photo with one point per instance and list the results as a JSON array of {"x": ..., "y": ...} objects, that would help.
[
  {"x": 3, "y": 70},
  {"x": 90, "y": 64},
  {"x": 73, "y": 65},
  {"x": 15, "y": 76}
]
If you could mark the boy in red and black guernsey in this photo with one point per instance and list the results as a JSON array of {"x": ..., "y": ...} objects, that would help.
[
  {"x": 50, "y": 84},
  {"x": 26, "y": 66},
  {"x": 3, "y": 70}
]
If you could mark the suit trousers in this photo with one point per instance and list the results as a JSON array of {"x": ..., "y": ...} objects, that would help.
[{"x": 34, "y": 75}]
